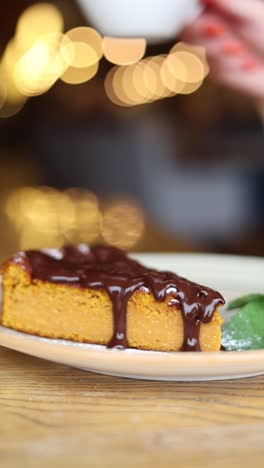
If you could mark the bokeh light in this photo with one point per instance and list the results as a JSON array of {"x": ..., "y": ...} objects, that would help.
[
  {"x": 118, "y": 86},
  {"x": 131, "y": 87},
  {"x": 152, "y": 77},
  {"x": 109, "y": 90},
  {"x": 174, "y": 81},
  {"x": 14, "y": 98},
  {"x": 123, "y": 51},
  {"x": 35, "y": 57},
  {"x": 182, "y": 71},
  {"x": 155, "y": 78},
  {"x": 125, "y": 86},
  {"x": 86, "y": 47},
  {"x": 42, "y": 65},
  {"x": 122, "y": 224},
  {"x": 11, "y": 55},
  {"x": 36, "y": 21},
  {"x": 87, "y": 216},
  {"x": 83, "y": 55},
  {"x": 197, "y": 51},
  {"x": 45, "y": 217},
  {"x": 190, "y": 88},
  {"x": 45, "y": 209},
  {"x": 3, "y": 94},
  {"x": 33, "y": 239},
  {"x": 141, "y": 81},
  {"x": 87, "y": 44},
  {"x": 74, "y": 75},
  {"x": 39, "y": 54},
  {"x": 185, "y": 66}
]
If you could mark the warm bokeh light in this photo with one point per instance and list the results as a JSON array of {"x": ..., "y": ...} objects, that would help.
[
  {"x": 133, "y": 84},
  {"x": 190, "y": 88},
  {"x": 38, "y": 20},
  {"x": 155, "y": 78},
  {"x": 65, "y": 212},
  {"x": 3, "y": 94},
  {"x": 44, "y": 209},
  {"x": 18, "y": 204},
  {"x": 147, "y": 79},
  {"x": 175, "y": 66},
  {"x": 124, "y": 51},
  {"x": 125, "y": 86},
  {"x": 152, "y": 77},
  {"x": 39, "y": 54},
  {"x": 175, "y": 85},
  {"x": 197, "y": 51},
  {"x": 88, "y": 48},
  {"x": 110, "y": 92},
  {"x": 182, "y": 71},
  {"x": 192, "y": 69},
  {"x": 11, "y": 55},
  {"x": 84, "y": 55},
  {"x": 33, "y": 239},
  {"x": 118, "y": 86},
  {"x": 142, "y": 81},
  {"x": 42, "y": 65},
  {"x": 14, "y": 98},
  {"x": 122, "y": 224},
  {"x": 74, "y": 75},
  {"x": 87, "y": 216},
  {"x": 45, "y": 217}
]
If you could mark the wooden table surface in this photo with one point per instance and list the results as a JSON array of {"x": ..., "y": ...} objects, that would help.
[{"x": 56, "y": 416}]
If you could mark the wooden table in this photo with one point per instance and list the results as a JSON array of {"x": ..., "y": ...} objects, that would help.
[{"x": 56, "y": 416}]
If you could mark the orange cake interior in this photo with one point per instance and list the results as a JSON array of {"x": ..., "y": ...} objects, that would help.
[{"x": 89, "y": 295}]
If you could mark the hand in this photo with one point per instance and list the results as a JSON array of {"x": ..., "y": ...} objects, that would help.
[{"x": 232, "y": 31}]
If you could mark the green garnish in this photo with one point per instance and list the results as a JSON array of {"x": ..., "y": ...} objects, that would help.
[
  {"x": 245, "y": 330},
  {"x": 244, "y": 300}
]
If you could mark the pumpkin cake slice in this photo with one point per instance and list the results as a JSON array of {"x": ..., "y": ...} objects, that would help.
[{"x": 100, "y": 295}]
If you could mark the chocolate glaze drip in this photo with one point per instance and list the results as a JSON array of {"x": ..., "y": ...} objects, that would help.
[{"x": 111, "y": 270}]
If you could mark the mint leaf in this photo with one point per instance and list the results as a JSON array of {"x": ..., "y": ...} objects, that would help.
[
  {"x": 246, "y": 329},
  {"x": 244, "y": 300}
]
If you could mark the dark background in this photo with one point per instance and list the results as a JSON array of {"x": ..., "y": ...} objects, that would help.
[{"x": 193, "y": 164}]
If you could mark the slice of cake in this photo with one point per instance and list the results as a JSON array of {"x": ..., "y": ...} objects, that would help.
[{"x": 100, "y": 295}]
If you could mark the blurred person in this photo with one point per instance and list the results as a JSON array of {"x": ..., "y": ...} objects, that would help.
[
  {"x": 142, "y": 155},
  {"x": 195, "y": 188}
]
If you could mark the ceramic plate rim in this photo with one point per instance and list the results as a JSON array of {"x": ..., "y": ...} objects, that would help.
[{"x": 140, "y": 363}]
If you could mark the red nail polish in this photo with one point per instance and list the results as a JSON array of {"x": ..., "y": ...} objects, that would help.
[
  {"x": 233, "y": 48},
  {"x": 213, "y": 30},
  {"x": 250, "y": 65},
  {"x": 208, "y": 3}
]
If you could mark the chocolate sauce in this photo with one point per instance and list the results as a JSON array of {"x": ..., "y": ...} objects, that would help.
[{"x": 110, "y": 269}]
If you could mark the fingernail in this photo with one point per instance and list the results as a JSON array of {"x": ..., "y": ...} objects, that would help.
[
  {"x": 250, "y": 65},
  {"x": 233, "y": 48},
  {"x": 213, "y": 30}
]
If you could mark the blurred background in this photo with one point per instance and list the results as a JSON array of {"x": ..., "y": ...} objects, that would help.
[{"x": 116, "y": 141}]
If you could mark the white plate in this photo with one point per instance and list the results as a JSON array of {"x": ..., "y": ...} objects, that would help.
[{"x": 233, "y": 276}]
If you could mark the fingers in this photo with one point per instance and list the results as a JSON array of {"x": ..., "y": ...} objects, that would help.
[
  {"x": 245, "y": 16},
  {"x": 232, "y": 62},
  {"x": 220, "y": 41},
  {"x": 249, "y": 82},
  {"x": 240, "y": 10}
]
